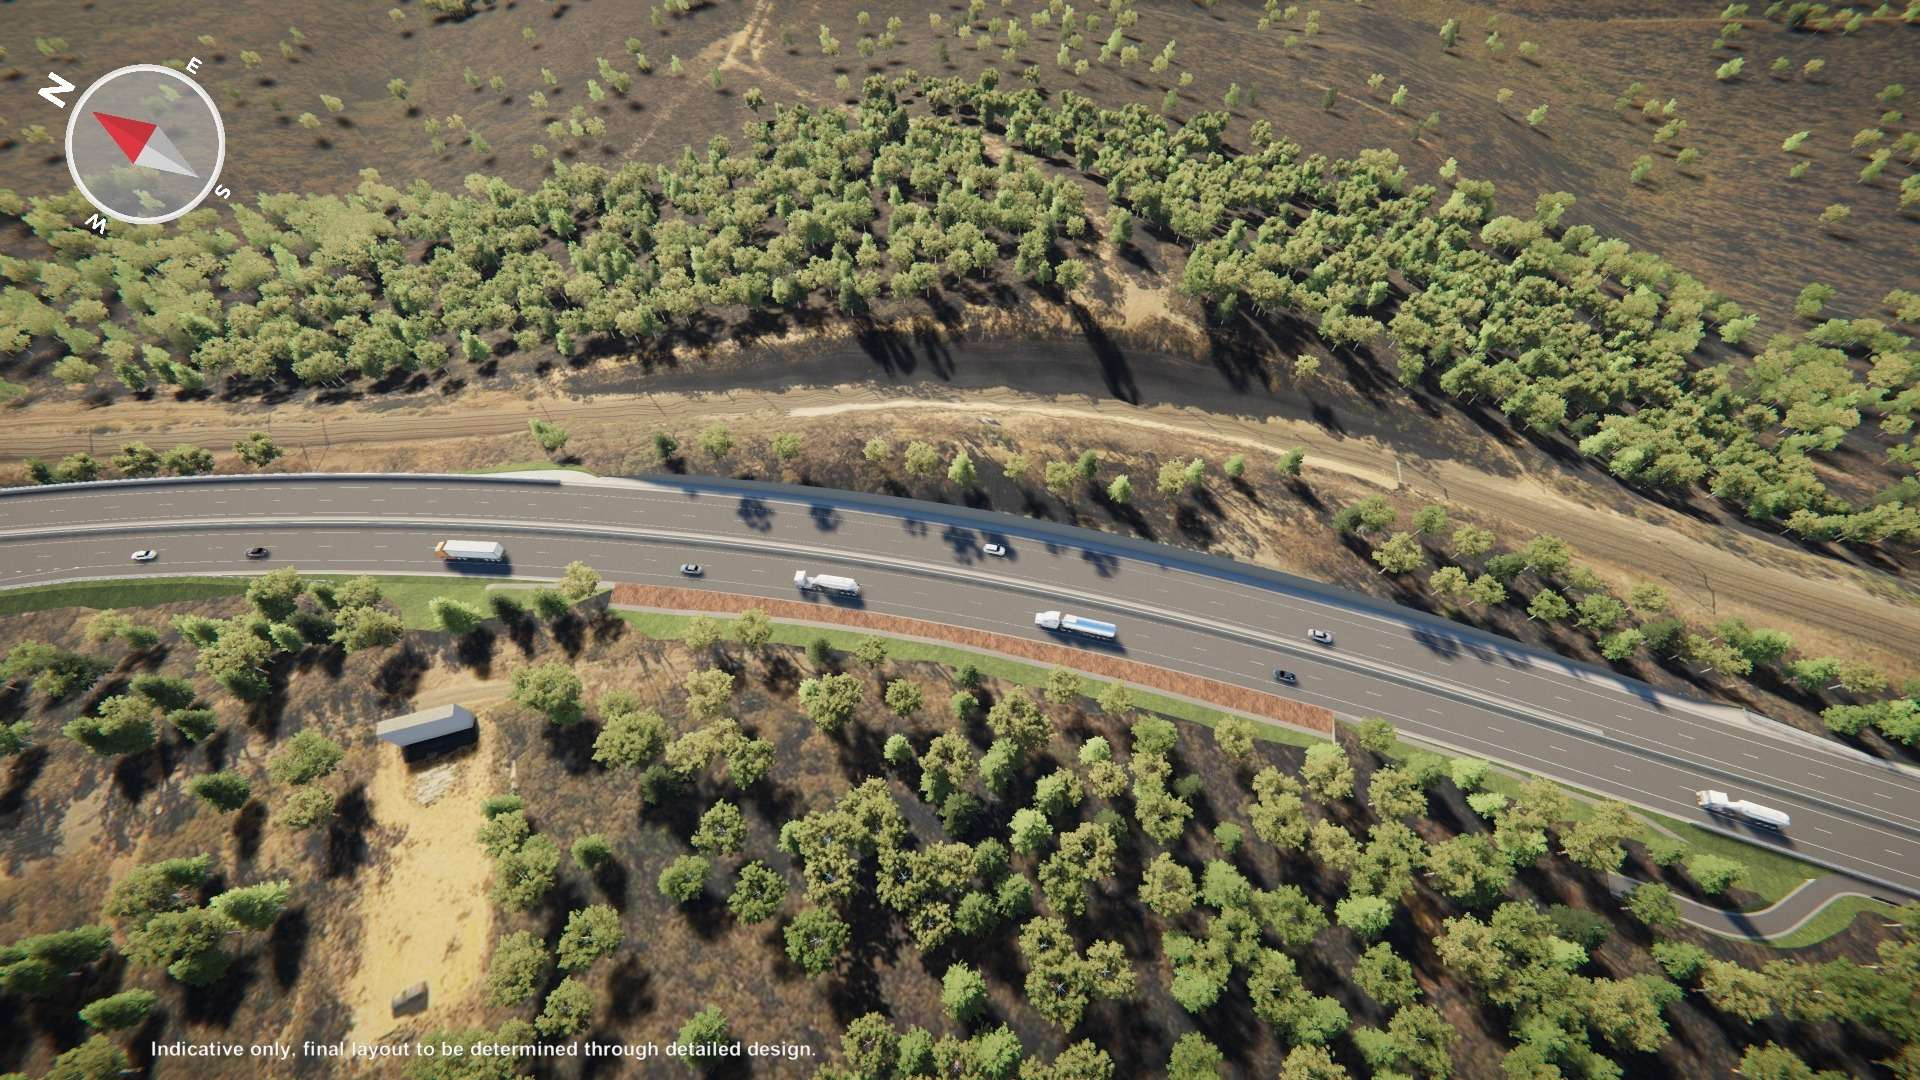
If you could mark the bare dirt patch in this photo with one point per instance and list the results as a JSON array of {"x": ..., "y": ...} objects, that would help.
[
  {"x": 426, "y": 916},
  {"x": 331, "y": 962},
  {"x": 453, "y": 685}
]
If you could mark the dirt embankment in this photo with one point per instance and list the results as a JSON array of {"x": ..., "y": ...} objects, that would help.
[{"x": 1239, "y": 699}]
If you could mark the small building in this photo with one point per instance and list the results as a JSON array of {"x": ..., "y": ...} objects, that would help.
[{"x": 418, "y": 727}]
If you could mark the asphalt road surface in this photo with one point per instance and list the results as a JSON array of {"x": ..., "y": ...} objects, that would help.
[
  {"x": 1770, "y": 923},
  {"x": 1437, "y": 682}
]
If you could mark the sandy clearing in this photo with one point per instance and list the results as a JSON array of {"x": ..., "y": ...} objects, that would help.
[
  {"x": 427, "y": 916},
  {"x": 442, "y": 686}
]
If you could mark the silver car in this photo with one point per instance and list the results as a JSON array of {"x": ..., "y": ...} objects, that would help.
[{"x": 1320, "y": 637}]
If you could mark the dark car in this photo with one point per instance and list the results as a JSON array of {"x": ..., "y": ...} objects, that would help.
[
  {"x": 256, "y": 553},
  {"x": 1286, "y": 676},
  {"x": 692, "y": 569}
]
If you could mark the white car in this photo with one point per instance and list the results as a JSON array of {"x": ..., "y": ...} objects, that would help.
[
  {"x": 1320, "y": 637},
  {"x": 145, "y": 555},
  {"x": 998, "y": 551}
]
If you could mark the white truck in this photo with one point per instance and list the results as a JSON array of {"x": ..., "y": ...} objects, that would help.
[
  {"x": 474, "y": 550},
  {"x": 1719, "y": 802},
  {"x": 844, "y": 586},
  {"x": 1074, "y": 624}
]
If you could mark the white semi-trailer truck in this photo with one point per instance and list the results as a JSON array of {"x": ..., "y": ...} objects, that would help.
[
  {"x": 1074, "y": 624},
  {"x": 476, "y": 550},
  {"x": 843, "y": 586},
  {"x": 1719, "y": 802}
]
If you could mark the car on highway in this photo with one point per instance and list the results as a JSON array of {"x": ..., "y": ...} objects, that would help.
[
  {"x": 1285, "y": 676},
  {"x": 1320, "y": 637},
  {"x": 692, "y": 569},
  {"x": 998, "y": 551},
  {"x": 256, "y": 553},
  {"x": 145, "y": 555}
]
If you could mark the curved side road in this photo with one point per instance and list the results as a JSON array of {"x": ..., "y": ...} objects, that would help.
[
  {"x": 1437, "y": 681},
  {"x": 1775, "y": 921}
]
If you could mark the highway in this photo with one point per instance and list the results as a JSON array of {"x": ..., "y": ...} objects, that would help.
[{"x": 1438, "y": 682}]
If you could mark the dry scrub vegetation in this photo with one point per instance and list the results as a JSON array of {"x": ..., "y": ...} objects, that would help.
[{"x": 1163, "y": 860}]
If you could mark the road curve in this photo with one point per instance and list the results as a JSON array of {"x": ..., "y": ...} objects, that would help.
[
  {"x": 1437, "y": 681},
  {"x": 1775, "y": 921},
  {"x": 1721, "y": 563}
]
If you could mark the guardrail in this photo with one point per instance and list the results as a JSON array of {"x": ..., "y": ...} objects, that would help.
[
  {"x": 1432, "y": 630},
  {"x": 1441, "y": 633}
]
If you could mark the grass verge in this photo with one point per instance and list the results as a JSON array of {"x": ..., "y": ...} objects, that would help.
[
  {"x": 1019, "y": 672},
  {"x": 1830, "y": 920},
  {"x": 410, "y": 594},
  {"x": 1770, "y": 874},
  {"x": 118, "y": 593}
]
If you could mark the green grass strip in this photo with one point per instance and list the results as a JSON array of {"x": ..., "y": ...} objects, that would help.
[
  {"x": 1831, "y": 920},
  {"x": 410, "y": 594},
  {"x": 118, "y": 593},
  {"x": 1019, "y": 672},
  {"x": 1771, "y": 874}
]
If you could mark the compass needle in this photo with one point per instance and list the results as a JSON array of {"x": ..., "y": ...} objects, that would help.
[{"x": 145, "y": 144}]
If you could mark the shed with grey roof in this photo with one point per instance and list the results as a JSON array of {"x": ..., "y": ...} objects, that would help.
[{"x": 418, "y": 727}]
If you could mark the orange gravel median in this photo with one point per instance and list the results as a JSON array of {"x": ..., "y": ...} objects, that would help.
[{"x": 1211, "y": 691}]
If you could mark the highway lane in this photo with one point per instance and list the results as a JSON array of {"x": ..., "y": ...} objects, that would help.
[{"x": 1464, "y": 690}]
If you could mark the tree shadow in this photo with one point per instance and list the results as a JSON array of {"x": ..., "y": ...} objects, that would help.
[
  {"x": 249, "y": 825},
  {"x": 474, "y": 650},
  {"x": 572, "y": 746},
  {"x": 569, "y": 633},
  {"x": 25, "y": 768},
  {"x": 348, "y": 849},
  {"x": 287, "y": 946},
  {"x": 399, "y": 676},
  {"x": 216, "y": 1005}
]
